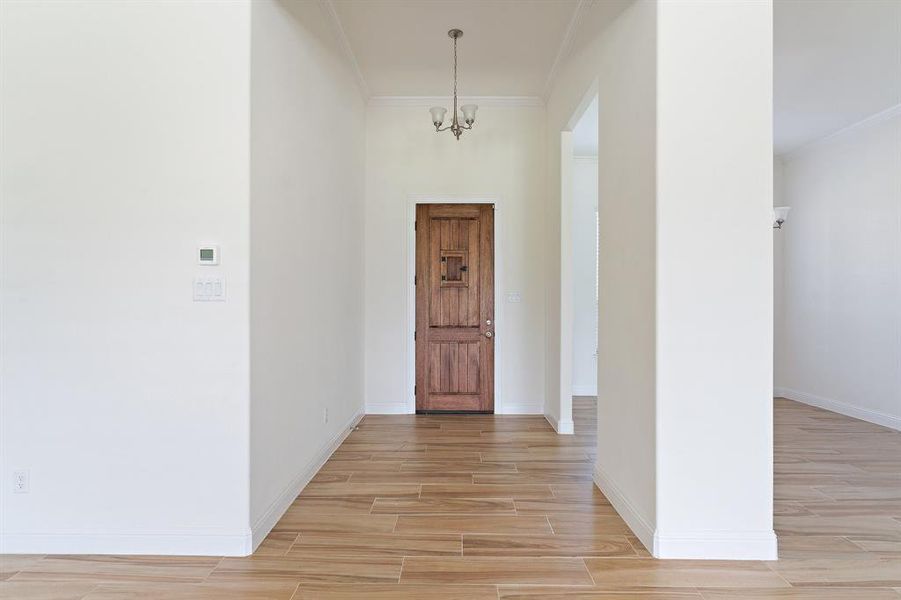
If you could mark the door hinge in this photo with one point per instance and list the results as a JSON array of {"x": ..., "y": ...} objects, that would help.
[
  {"x": 414, "y": 336},
  {"x": 414, "y": 390},
  {"x": 415, "y": 279},
  {"x": 415, "y": 223}
]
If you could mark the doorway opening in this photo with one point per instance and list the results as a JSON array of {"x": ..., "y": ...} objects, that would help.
[{"x": 579, "y": 251}]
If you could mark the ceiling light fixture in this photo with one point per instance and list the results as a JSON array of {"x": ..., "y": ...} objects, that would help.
[
  {"x": 780, "y": 213},
  {"x": 468, "y": 110}
]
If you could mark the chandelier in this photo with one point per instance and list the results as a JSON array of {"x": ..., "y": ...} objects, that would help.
[{"x": 468, "y": 110}]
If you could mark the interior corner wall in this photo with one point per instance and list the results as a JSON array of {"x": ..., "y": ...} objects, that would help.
[
  {"x": 714, "y": 281},
  {"x": 502, "y": 157},
  {"x": 306, "y": 223},
  {"x": 840, "y": 347},
  {"x": 123, "y": 147},
  {"x": 620, "y": 57}
]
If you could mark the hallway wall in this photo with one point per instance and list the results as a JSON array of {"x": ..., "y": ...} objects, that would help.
[
  {"x": 124, "y": 146},
  {"x": 503, "y": 156},
  {"x": 620, "y": 57},
  {"x": 306, "y": 253},
  {"x": 685, "y": 190},
  {"x": 171, "y": 426}
]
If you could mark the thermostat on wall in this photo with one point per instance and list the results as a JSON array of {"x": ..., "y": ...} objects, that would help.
[{"x": 208, "y": 255}]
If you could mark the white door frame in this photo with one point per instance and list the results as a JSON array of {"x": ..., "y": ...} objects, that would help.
[
  {"x": 499, "y": 323},
  {"x": 564, "y": 424}
]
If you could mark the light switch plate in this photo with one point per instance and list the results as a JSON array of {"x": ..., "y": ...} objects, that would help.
[
  {"x": 209, "y": 289},
  {"x": 514, "y": 297}
]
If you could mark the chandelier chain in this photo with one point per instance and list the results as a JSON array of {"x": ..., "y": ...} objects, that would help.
[
  {"x": 455, "y": 81},
  {"x": 455, "y": 67}
]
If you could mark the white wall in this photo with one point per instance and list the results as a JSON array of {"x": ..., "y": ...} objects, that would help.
[
  {"x": 585, "y": 264},
  {"x": 124, "y": 145},
  {"x": 841, "y": 346},
  {"x": 503, "y": 157},
  {"x": 621, "y": 59},
  {"x": 306, "y": 316},
  {"x": 685, "y": 265},
  {"x": 714, "y": 280}
]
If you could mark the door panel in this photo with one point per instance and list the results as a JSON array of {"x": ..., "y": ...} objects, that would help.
[{"x": 454, "y": 307}]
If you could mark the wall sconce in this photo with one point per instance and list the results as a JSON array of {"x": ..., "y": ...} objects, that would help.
[{"x": 780, "y": 213}]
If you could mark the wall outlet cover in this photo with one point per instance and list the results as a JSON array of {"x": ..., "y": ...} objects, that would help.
[{"x": 20, "y": 482}]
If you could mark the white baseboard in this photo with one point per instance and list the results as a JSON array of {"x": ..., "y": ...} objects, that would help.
[
  {"x": 842, "y": 408},
  {"x": 393, "y": 408},
  {"x": 564, "y": 427},
  {"x": 716, "y": 545},
  {"x": 637, "y": 522},
  {"x": 585, "y": 390},
  {"x": 281, "y": 504},
  {"x": 699, "y": 545},
  {"x": 521, "y": 409},
  {"x": 189, "y": 542}
]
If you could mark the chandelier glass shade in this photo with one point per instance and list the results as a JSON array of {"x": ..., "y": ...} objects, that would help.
[{"x": 468, "y": 110}]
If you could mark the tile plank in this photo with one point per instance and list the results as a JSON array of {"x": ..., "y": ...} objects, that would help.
[
  {"x": 344, "y": 569},
  {"x": 460, "y": 524},
  {"x": 394, "y": 592},
  {"x": 547, "y": 545},
  {"x": 315, "y": 545},
  {"x": 533, "y": 571},
  {"x": 471, "y": 506}
]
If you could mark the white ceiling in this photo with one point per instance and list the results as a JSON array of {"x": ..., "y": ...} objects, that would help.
[
  {"x": 836, "y": 62},
  {"x": 508, "y": 46}
]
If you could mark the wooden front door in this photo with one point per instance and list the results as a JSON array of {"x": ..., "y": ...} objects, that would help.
[{"x": 455, "y": 307}]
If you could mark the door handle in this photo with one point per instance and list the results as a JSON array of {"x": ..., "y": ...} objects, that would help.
[{"x": 488, "y": 334}]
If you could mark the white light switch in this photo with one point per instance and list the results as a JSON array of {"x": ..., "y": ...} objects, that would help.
[
  {"x": 514, "y": 297},
  {"x": 209, "y": 289}
]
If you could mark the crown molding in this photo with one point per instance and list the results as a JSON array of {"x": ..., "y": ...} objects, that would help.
[
  {"x": 875, "y": 119},
  {"x": 482, "y": 101},
  {"x": 566, "y": 45},
  {"x": 329, "y": 8}
]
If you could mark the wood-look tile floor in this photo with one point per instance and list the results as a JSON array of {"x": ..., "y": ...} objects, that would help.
[{"x": 478, "y": 507}]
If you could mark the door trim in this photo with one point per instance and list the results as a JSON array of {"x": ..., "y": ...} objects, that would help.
[{"x": 500, "y": 329}]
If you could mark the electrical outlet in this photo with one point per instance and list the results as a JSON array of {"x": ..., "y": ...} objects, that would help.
[
  {"x": 20, "y": 482},
  {"x": 325, "y": 415}
]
